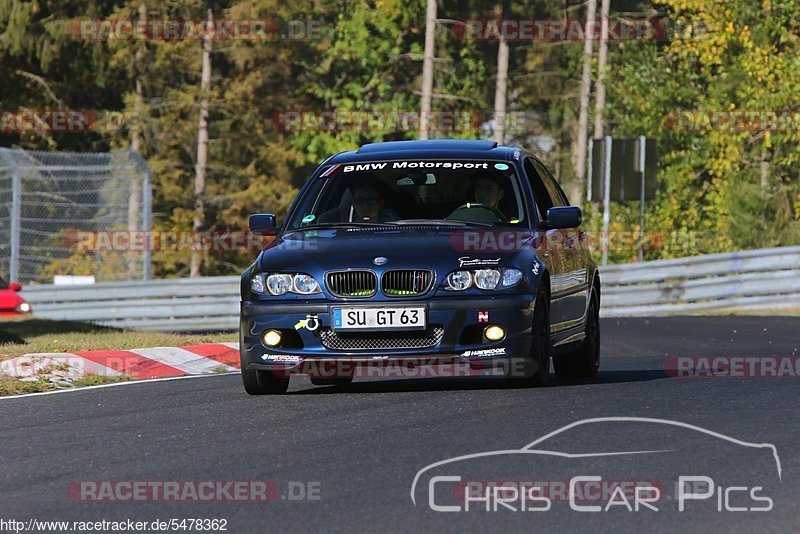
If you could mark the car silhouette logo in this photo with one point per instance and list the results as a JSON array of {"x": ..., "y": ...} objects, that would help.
[
  {"x": 538, "y": 448},
  {"x": 380, "y": 260}
]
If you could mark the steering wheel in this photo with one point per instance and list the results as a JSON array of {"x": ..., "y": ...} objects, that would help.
[{"x": 498, "y": 215}]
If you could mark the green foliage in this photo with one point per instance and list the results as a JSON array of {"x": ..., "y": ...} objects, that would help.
[
  {"x": 718, "y": 190},
  {"x": 734, "y": 188}
]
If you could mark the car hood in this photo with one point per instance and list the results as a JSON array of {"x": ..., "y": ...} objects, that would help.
[
  {"x": 357, "y": 248},
  {"x": 9, "y": 299}
]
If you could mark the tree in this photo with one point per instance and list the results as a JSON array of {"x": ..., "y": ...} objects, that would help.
[
  {"x": 586, "y": 88},
  {"x": 427, "y": 68},
  {"x": 501, "y": 85},
  {"x": 728, "y": 57},
  {"x": 202, "y": 145}
]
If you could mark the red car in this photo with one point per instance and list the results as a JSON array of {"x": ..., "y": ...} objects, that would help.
[{"x": 11, "y": 304}]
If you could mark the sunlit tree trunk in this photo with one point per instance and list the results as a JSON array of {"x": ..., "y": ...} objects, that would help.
[
  {"x": 501, "y": 86},
  {"x": 586, "y": 89},
  {"x": 427, "y": 69},
  {"x": 602, "y": 60},
  {"x": 135, "y": 201},
  {"x": 202, "y": 147}
]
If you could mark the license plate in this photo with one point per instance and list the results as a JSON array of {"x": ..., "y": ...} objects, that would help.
[{"x": 406, "y": 318}]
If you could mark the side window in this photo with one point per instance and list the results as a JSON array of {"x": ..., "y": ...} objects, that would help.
[
  {"x": 555, "y": 192},
  {"x": 540, "y": 194}
]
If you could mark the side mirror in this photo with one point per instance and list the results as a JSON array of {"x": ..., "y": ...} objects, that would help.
[
  {"x": 564, "y": 217},
  {"x": 263, "y": 224},
  {"x": 13, "y": 286}
]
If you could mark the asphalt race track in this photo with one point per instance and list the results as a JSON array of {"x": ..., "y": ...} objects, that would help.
[{"x": 358, "y": 449}]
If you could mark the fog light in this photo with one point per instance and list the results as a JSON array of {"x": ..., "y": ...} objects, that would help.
[
  {"x": 494, "y": 333},
  {"x": 272, "y": 338}
]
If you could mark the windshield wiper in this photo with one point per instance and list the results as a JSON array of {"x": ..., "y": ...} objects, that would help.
[
  {"x": 439, "y": 222},
  {"x": 400, "y": 223},
  {"x": 322, "y": 226}
]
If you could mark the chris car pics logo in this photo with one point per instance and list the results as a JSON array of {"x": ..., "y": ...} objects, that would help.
[{"x": 577, "y": 482}]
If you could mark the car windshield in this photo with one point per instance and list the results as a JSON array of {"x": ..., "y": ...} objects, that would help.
[
  {"x": 3, "y": 284},
  {"x": 484, "y": 193}
]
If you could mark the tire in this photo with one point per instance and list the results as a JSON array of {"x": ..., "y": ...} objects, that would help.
[
  {"x": 540, "y": 347},
  {"x": 584, "y": 361},
  {"x": 264, "y": 382},
  {"x": 260, "y": 382}
]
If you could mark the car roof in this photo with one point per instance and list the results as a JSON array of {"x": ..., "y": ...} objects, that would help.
[{"x": 431, "y": 149}]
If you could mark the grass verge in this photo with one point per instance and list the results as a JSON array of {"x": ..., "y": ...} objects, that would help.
[
  {"x": 32, "y": 335},
  {"x": 42, "y": 335},
  {"x": 15, "y": 386}
]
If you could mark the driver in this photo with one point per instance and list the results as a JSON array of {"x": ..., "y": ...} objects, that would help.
[
  {"x": 369, "y": 202},
  {"x": 488, "y": 191}
]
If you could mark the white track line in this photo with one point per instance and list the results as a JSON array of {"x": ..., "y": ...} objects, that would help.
[{"x": 115, "y": 384}]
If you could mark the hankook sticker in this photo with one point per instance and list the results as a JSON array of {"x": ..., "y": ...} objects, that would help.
[{"x": 485, "y": 352}]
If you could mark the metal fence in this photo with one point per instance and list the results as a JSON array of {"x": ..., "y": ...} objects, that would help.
[
  {"x": 181, "y": 304},
  {"x": 753, "y": 281},
  {"x": 50, "y": 201},
  {"x": 766, "y": 281}
]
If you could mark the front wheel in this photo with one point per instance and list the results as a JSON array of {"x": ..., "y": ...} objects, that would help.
[
  {"x": 264, "y": 382},
  {"x": 584, "y": 361},
  {"x": 259, "y": 382},
  {"x": 539, "y": 356}
]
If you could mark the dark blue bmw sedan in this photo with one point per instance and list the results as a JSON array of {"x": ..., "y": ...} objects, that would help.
[{"x": 422, "y": 252}]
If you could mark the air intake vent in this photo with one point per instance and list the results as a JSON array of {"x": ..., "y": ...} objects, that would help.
[
  {"x": 381, "y": 340},
  {"x": 406, "y": 282},
  {"x": 362, "y": 284}
]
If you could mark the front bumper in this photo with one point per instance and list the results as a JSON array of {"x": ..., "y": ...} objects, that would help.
[{"x": 460, "y": 323}]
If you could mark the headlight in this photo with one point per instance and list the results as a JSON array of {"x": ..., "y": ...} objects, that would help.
[
  {"x": 257, "y": 284},
  {"x": 24, "y": 307},
  {"x": 484, "y": 279},
  {"x": 511, "y": 277},
  {"x": 459, "y": 280},
  {"x": 487, "y": 278},
  {"x": 279, "y": 284},
  {"x": 305, "y": 284}
]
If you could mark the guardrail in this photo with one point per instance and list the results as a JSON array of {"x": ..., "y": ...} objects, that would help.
[
  {"x": 762, "y": 281},
  {"x": 180, "y": 304},
  {"x": 766, "y": 281}
]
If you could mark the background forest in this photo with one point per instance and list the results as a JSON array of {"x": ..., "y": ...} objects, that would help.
[{"x": 729, "y": 190}]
